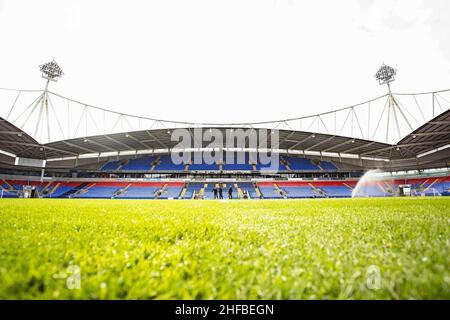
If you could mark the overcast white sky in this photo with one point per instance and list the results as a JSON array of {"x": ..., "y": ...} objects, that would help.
[{"x": 222, "y": 61}]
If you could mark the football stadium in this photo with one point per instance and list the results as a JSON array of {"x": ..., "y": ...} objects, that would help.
[{"x": 346, "y": 204}]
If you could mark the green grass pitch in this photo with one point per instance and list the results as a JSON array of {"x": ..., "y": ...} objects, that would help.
[{"x": 281, "y": 249}]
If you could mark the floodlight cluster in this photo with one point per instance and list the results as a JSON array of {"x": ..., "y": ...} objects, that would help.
[
  {"x": 51, "y": 70},
  {"x": 385, "y": 74}
]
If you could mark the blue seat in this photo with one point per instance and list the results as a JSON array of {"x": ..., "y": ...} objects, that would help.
[
  {"x": 295, "y": 192},
  {"x": 140, "y": 164},
  {"x": 171, "y": 192},
  {"x": 193, "y": 187},
  {"x": 301, "y": 164},
  {"x": 166, "y": 164},
  {"x": 328, "y": 166},
  {"x": 203, "y": 167},
  {"x": 269, "y": 192},
  {"x": 98, "y": 192},
  {"x": 337, "y": 191},
  {"x": 139, "y": 193},
  {"x": 111, "y": 165}
]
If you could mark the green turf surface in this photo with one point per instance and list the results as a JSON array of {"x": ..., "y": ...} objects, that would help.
[{"x": 281, "y": 249}]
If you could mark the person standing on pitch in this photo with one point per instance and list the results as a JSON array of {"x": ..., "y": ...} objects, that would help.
[
  {"x": 215, "y": 192},
  {"x": 220, "y": 192},
  {"x": 230, "y": 193}
]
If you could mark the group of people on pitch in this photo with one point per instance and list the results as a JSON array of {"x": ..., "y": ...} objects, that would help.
[{"x": 218, "y": 192}]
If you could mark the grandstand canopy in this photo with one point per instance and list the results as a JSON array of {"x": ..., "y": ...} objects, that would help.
[
  {"x": 161, "y": 140},
  {"x": 429, "y": 138},
  {"x": 13, "y": 140}
]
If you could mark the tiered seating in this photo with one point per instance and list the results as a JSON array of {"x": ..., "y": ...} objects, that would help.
[
  {"x": 437, "y": 188},
  {"x": 236, "y": 164},
  {"x": 371, "y": 190},
  {"x": 208, "y": 193},
  {"x": 332, "y": 189},
  {"x": 328, "y": 166},
  {"x": 111, "y": 165},
  {"x": 296, "y": 189},
  {"x": 172, "y": 190},
  {"x": 250, "y": 188},
  {"x": 140, "y": 164},
  {"x": 226, "y": 186},
  {"x": 430, "y": 186},
  {"x": 442, "y": 187},
  {"x": 139, "y": 192},
  {"x": 299, "y": 192},
  {"x": 337, "y": 191},
  {"x": 268, "y": 190},
  {"x": 18, "y": 185},
  {"x": 171, "y": 193},
  {"x": 193, "y": 187},
  {"x": 445, "y": 185},
  {"x": 301, "y": 164},
  {"x": 98, "y": 192},
  {"x": 237, "y": 167},
  {"x": 4, "y": 191},
  {"x": 166, "y": 164},
  {"x": 7, "y": 193},
  {"x": 203, "y": 167},
  {"x": 262, "y": 167},
  {"x": 62, "y": 189}
]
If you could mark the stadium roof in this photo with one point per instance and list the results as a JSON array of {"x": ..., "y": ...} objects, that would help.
[
  {"x": 428, "y": 138},
  {"x": 13, "y": 140},
  {"x": 431, "y": 136},
  {"x": 161, "y": 139}
]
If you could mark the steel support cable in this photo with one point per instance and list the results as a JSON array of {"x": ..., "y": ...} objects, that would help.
[{"x": 219, "y": 124}]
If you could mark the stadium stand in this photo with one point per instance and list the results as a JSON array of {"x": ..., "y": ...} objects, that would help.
[
  {"x": 139, "y": 192},
  {"x": 193, "y": 189},
  {"x": 301, "y": 164},
  {"x": 430, "y": 186},
  {"x": 247, "y": 188},
  {"x": 226, "y": 186},
  {"x": 171, "y": 190},
  {"x": 101, "y": 192},
  {"x": 337, "y": 191},
  {"x": 61, "y": 189},
  {"x": 208, "y": 190},
  {"x": 203, "y": 167},
  {"x": 140, "y": 164},
  {"x": 237, "y": 167},
  {"x": 7, "y": 190},
  {"x": 164, "y": 163},
  {"x": 111, "y": 166},
  {"x": 241, "y": 162},
  {"x": 372, "y": 190},
  {"x": 269, "y": 190},
  {"x": 281, "y": 166},
  {"x": 328, "y": 166},
  {"x": 274, "y": 189}
]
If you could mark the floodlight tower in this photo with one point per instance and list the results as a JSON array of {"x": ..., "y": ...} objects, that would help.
[
  {"x": 385, "y": 75},
  {"x": 52, "y": 72}
]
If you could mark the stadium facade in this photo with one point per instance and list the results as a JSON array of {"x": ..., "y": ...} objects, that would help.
[{"x": 316, "y": 157}]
